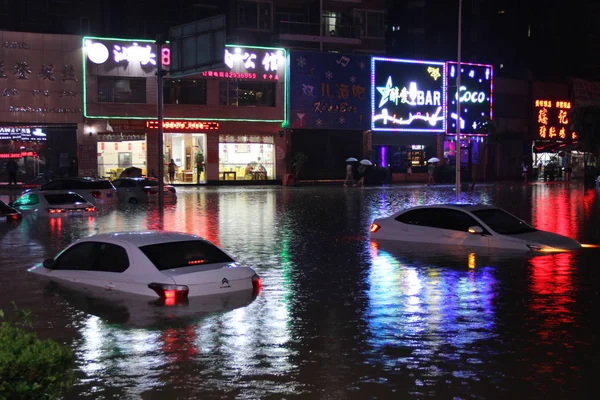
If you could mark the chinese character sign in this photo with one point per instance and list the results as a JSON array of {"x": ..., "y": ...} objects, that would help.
[
  {"x": 329, "y": 91},
  {"x": 123, "y": 53},
  {"x": 474, "y": 94},
  {"x": 408, "y": 95},
  {"x": 552, "y": 120},
  {"x": 256, "y": 63}
]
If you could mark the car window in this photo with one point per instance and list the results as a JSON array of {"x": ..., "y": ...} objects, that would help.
[
  {"x": 64, "y": 198},
  {"x": 29, "y": 199},
  {"x": 78, "y": 257},
  {"x": 149, "y": 183},
  {"x": 94, "y": 256},
  {"x": 98, "y": 185},
  {"x": 443, "y": 218},
  {"x": 421, "y": 217},
  {"x": 454, "y": 220},
  {"x": 122, "y": 183},
  {"x": 110, "y": 257},
  {"x": 503, "y": 222},
  {"x": 184, "y": 254}
]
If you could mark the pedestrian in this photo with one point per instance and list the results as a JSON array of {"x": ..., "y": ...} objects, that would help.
[
  {"x": 361, "y": 172},
  {"x": 12, "y": 167},
  {"x": 349, "y": 175},
  {"x": 172, "y": 168},
  {"x": 524, "y": 171},
  {"x": 430, "y": 171},
  {"x": 568, "y": 172}
]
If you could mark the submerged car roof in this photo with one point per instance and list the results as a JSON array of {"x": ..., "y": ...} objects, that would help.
[
  {"x": 144, "y": 238},
  {"x": 455, "y": 206}
]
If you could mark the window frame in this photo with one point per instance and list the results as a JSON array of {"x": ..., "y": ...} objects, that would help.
[
  {"x": 228, "y": 84},
  {"x": 364, "y": 25},
  {"x": 439, "y": 210},
  {"x": 114, "y": 81},
  {"x": 166, "y": 87},
  {"x": 258, "y": 20}
]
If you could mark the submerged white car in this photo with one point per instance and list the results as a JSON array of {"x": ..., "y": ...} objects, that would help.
[
  {"x": 54, "y": 203},
  {"x": 157, "y": 264},
  {"x": 468, "y": 225}
]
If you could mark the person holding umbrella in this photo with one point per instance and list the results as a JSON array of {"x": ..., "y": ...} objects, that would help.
[
  {"x": 431, "y": 169},
  {"x": 349, "y": 176},
  {"x": 362, "y": 169}
]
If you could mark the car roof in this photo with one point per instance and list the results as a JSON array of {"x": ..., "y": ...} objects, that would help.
[
  {"x": 144, "y": 238},
  {"x": 56, "y": 191},
  {"x": 454, "y": 206}
]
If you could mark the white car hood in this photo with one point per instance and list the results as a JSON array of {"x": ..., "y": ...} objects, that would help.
[{"x": 547, "y": 239}]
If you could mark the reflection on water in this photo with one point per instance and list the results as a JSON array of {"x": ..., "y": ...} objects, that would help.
[{"x": 339, "y": 316}]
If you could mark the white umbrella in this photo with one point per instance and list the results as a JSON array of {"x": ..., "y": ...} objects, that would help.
[
  {"x": 351, "y": 159},
  {"x": 433, "y": 159},
  {"x": 366, "y": 162}
]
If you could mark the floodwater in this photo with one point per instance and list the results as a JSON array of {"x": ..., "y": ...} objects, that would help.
[{"x": 339, "y": 317}]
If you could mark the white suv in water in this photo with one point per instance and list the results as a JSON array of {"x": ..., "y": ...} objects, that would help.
[{"x": 99, "y": 192}]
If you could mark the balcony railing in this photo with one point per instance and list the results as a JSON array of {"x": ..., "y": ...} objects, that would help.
[{"x": 313, "y": 29}]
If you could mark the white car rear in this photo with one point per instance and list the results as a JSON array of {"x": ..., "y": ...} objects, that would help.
[
  {"x": 142, "y": 190},
  {"x": 99, "y": 192},
  {"x": 54, "y": 203},
  {"x": 467, "y": 225},
  {"x": 166, "y": 265}
]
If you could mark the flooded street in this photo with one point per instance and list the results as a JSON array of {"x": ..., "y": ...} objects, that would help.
[{"x": 339, "y": 317}]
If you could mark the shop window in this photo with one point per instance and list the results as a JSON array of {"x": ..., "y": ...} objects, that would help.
[
  {"x": 371, "y": 23},
  {"x": 185, "y": 91},
  {"x": 250, "y": 157},
  {"x": 247, "y": 94},
  {"x": 255, "y": 15},
  {"x": 113, "y": 89}
]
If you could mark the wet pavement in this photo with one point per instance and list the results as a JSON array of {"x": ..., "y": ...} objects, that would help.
[{"x": 340, "y": 317}]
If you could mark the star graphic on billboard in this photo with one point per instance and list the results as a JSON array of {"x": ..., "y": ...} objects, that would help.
[{"x": 385, "y": 92}]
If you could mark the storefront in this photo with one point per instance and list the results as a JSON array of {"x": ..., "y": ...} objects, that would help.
[
  {"x": 221, "y": 126},
  {"x": 41, "y": 103}
]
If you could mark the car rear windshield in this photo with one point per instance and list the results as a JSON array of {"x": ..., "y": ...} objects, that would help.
[
  {"x": 149, "y": 183},
  {"x": 64, "y": 198},
  {"x": 183, "y": 254},
  {"x": 502, "y": 222},
  {"x": 99, "y": 185}
]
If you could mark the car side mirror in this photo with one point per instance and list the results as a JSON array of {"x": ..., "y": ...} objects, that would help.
[
  {"x": 476, "y": 230},
  {"x": 49, "y": 263}
]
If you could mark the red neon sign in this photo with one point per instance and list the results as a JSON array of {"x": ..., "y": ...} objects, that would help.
[
  {"x": 552, "y": 119},
  {"x": 19, "y": 155},
  {"x": 240, "y": 75},
  {"x": 185, "y": 125}
]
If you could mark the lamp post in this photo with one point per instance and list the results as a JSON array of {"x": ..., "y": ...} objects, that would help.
[
  {"x": 458, "y": 74},
  {"x": 160, "y": 73}
]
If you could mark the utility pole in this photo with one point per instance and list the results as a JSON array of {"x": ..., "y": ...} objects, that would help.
[
  {"x": 160, "y": 73},
  {"x": 458, "y": 74}
]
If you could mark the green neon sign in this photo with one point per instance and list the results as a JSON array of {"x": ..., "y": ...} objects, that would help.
[{"x": 84, "y": 68}]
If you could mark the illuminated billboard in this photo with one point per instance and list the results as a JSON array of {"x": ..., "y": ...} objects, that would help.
[
  {"x": 408, "y": 95},
  {"x": 475, "y": 96},
  {"x": 552, "y": 120}
]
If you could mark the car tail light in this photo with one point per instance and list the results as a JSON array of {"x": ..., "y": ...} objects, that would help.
[
  {"x": 14, "y": 217},
  {"x": 374, "y": 227},
  {"x": 148, "y": 190},
  {"x": 256, "y": 284},
  {"x": 55, "y": 210},
  {"x": 171, "y": 294},
  {"x": 96, "y": 194},
  {"x": 90, "y": 209}
]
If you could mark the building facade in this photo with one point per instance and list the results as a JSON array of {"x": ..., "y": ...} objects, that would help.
[
  {"x": 40, "y": 102},
  {"x": 222, "y": 125}
]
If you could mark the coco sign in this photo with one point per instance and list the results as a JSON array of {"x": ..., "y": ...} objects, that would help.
[
  {"x": 125, "y": 52},
  {"x": 474, "y": 95}
]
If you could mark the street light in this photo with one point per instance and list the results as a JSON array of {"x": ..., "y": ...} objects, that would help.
[{"x": 457, "y": 147}]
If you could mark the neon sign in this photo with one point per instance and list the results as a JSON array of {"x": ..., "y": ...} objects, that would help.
[
  {"x": 19, "y": 155},
  {"x": 250, "y": 62},
  {"x": 417, "y": 105},
  {"x": 23, "y": 134},
  {"x": 474, "y": 94},
  {"x": 184, "y": 125},
  {"x": 141, "y": 51},
  {"x": 236, "y": 75},
  {"x": 552, "y": 120}
]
